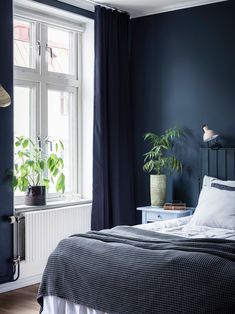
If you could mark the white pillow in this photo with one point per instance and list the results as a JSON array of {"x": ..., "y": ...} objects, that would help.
[
  {"x": 216, "y": 209},
  {"x": 207, "y": 181}
]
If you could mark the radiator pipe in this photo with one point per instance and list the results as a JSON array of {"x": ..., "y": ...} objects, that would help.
[{"x": 16, "y": 260}]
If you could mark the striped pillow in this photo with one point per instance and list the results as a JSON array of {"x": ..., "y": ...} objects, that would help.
[
  {"x": 222, "y": 187},
  {"x": 216, "y": 209},
  {"x": 208, "y": 181}
]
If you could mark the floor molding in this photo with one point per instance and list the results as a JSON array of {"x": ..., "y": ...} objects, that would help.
[{"x": 20, "y": 283}]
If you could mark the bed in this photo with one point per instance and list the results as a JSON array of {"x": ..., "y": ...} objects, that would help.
[{"x": 185, "y": 265}]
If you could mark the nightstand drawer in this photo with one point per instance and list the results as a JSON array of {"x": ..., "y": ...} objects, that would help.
[{"x": 151, "y": 214}]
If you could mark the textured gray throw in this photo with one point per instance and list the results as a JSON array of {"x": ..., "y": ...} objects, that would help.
[{"x": 127, "y": 270}]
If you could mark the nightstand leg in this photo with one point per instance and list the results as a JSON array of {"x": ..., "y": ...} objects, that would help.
[{"x": 144, "y": 217}]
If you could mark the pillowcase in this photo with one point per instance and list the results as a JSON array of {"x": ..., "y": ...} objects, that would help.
[
  {"x": 216, "y": 209},
  {"x": 207, "y": 181},
  {"x": 222, "y": 187}
]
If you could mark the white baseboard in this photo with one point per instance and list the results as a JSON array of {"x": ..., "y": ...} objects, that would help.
[{"x": 20, "y": 283}]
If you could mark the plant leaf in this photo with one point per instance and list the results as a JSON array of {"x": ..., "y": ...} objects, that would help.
[
  {"x": 46, "y": 182},
  {"x": 158, "y": 157},
  {"x": 25, "y": 143},
  {"x": 42, "y": 164},
  {"x": 61, "y": 144},
  {"x": 60, "y": 184}
]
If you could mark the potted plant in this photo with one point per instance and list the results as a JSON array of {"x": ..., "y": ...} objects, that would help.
[
  {"x": 158, "y": 159},
  {"x": 37, "y": 164}
]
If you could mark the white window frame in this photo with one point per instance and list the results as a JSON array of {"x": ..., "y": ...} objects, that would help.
[
  {"x": 43, "y": 79},
  {"x": 75, "y": 160},
  {"x": 33, "y": 113},
  {"x": 71, "y": 77},
  {"x": 33, "y": 109},
  {"x": 36, "y": 39}
]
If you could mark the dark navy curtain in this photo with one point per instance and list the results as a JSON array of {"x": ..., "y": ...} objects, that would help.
[{"x": 112, "y": 149}]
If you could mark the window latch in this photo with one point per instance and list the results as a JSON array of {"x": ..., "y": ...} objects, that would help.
[
  {"x": 49, "y": 49},
  {"x": 39, "y": 48}
]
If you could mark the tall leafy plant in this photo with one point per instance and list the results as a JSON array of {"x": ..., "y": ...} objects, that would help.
[
  {"x": 159, "y": 157},
  {"x": 36, "y": 163}
]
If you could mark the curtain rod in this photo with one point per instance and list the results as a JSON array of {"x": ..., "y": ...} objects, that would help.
[{"x": 106, "y": 6}]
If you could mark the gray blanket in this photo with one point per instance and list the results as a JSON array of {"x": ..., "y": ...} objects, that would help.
[{"x": 127, "y": 270}]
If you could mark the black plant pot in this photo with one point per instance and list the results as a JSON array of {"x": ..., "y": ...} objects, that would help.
[{"x": 35, "y": 195}]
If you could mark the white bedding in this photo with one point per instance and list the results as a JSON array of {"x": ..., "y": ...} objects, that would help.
[
  {"x": 56, "y": 305},
  {"x": 179, "y": 227}
]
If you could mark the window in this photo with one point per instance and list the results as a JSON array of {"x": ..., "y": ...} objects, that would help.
[
  {"x": 47, "y": 58},
  {"x": 23, "y": 104},
  {"x": 61, "y": 110},
  {"x": 24, "y": 43},
  {"x": 60, "y": 51}
]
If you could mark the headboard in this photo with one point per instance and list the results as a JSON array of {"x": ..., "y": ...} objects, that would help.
[{"x": 218, "y": 163}]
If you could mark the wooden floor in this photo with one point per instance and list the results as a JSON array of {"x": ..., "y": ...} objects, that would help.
[{"x": 20, "y": 301}]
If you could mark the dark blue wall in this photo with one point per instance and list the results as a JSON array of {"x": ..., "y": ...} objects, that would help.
[
  {"x": 67, "y": 7},
  {"x": 6, "y": 140},
  {"x": 183, "y": 74}
]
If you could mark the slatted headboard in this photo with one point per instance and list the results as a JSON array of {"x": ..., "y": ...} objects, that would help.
[{"x": 218, "y": 163}]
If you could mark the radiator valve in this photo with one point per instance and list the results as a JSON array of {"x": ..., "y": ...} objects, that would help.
[{"x": 13, "y": 219}]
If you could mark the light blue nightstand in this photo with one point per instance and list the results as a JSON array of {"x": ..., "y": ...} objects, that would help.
[{"x": 151, "y": 213}]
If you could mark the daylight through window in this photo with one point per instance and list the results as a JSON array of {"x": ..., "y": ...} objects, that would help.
[{"x": 46, "y": 92}]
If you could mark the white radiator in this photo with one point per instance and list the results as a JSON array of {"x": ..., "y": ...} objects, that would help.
[{"x": 45, "y": 228}]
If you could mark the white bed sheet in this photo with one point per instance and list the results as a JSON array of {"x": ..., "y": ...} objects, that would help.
[
  {"x": 56, "y": 305},
  {"x": 179, "y": 227}
]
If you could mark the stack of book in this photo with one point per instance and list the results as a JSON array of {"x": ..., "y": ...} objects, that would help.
[{"x": 174, "y": 206}]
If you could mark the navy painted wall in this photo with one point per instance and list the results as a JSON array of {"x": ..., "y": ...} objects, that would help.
[
  {"x": 183, "y": 74},
  {"x": 67, "y": 7},
  {"x": 6, "y": 140}
]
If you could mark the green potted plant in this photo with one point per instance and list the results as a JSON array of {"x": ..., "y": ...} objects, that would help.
[
  {"x": 158, "y": 159},
  {"x": 36, "y": 166}
]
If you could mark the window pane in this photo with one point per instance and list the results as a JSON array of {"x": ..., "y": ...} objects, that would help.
[
  {"x": 24, "y": 54},
  {"x": 60, "y": 128},
  {"x": 60, "y": 51},
  {"x": 22, "y": 97}
]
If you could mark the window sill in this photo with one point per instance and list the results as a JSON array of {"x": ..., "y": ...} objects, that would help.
[{"x": 50, "y": 205}]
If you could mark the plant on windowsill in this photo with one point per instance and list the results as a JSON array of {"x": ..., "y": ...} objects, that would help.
[
  {"x": 36, "y": 166},
  {"x": 158, "y": 159}
]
